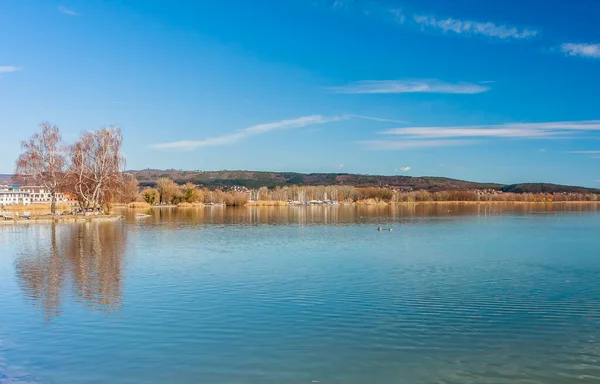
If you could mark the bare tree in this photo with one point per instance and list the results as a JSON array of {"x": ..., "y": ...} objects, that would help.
[
  {"x": 43, "y": 161},
  {"x": 96, "y": 167},
  {"x": 130, "y": 189}
]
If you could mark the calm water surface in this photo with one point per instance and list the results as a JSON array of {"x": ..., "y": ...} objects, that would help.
[{"x": 454, "y": 294}]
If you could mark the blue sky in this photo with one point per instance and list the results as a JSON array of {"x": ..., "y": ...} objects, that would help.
[{"x": 503, "y": 91}]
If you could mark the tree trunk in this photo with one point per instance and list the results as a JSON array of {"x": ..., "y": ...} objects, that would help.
[{"x": 53, "y": 202}]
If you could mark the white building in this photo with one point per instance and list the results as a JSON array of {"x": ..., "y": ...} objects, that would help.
[{"x": 27, "y": 195}]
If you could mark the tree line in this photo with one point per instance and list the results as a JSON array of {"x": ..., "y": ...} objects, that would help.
[
  {"x": 167, "y": 191},
  {"x": 351, "y": 194}
]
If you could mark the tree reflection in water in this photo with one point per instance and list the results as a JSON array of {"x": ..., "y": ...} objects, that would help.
[{"x": 80, "y": 259}]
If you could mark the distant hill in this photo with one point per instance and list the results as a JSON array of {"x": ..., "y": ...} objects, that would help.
[
  {"x": 5, "y": 179},
  {"x": 546, "y": 188},
  {"x": 256, "y": 179}
]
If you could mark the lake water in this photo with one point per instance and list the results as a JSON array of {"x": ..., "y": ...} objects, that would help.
[{"x": 454, "y": 294}]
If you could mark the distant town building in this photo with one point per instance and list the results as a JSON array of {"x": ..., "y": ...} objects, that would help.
[{"x": 25, "y": 195}]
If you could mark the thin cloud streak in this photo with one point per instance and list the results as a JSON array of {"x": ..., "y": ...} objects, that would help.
[
  {"x": 462, "y": 132},
  {"x": 583, "y": 50},
  {"x": 470, "y": 27},
  {"x": 546, "y": 130},
  {"x": 427, "y": 22},
  {"x": 379, "y": 119},
  {"x": 585, "y": 152},
  {"x": 390, "y": 145},
  {"x": 432, "y": 137},
  {"x": 9, "y": 68},
  {"x": 254, "y": 130},
  {"x": 68, "y": 11},
  {"x": 409, "y": 86}
]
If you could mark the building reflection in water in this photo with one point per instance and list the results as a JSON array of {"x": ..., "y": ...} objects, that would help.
[{"x": 78, "y": 260}]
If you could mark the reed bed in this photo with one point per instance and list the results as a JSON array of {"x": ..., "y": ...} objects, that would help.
[
  {"x": 39, "y": 209},
  {"x": 138, "y": 204},
  {"x": 190, "y": 205}
]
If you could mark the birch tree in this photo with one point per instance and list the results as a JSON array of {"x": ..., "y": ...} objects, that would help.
[
  {"x": 96, "y": 165},
  {"x": 44, "y": 161}
]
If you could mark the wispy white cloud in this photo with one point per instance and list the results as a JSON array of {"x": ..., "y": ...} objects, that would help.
[
  {"x": 248, "y": 132},
  {"x": 399, "y": 16},
  {"x": 581, "y": 49},
  {"x": 68, "y": 11},
  {"x": 405, "y": 169},
  {"x": 511, "y": 130},
  {"x": 585, "y": 152},
  {"x": 410, "y": 86},
  {"x": 440, "y": 136},
  {"x": 379, "y": 119},
  {"x": 468, "y": 132},
  {"x": 385, "y": 13},
  {"x": 470, "y": 27},
  {"x": 8, "y": 69},
  {"x": 391, "y": 145}
]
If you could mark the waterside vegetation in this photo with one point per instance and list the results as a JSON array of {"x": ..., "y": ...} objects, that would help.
[
  {"x": 91, "y": 172},
  {"x": 168, "y": 193}
]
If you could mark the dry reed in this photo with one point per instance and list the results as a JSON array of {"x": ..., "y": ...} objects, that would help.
[
  {"x": 37, "y": 208},
  {"x": 138, "y": 204}
]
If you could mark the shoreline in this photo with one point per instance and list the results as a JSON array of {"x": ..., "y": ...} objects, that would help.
[
  {"x": 279, "y": 204},
  {"x": 481, "y": 202},
  {"x": 403, "y": 203},
  {"x": 73, "y": 219},
  {"x": 63, "y": 219}
]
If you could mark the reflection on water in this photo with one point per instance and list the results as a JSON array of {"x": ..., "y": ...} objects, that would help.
[
  {"x": 311, "y": 215},
  {"x": 81, "y": 258}
]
